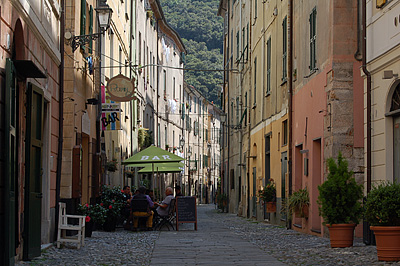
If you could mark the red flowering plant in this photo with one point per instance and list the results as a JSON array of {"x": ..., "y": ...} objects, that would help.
[
  {"x": 94, "y": 213},
  {"x": 112, "y": 200},
  {"x": 268, "y": 193}
]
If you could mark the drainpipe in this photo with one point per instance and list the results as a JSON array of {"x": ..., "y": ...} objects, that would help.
[
  {"x": 368, "y": 74},
  {"x": 290, "y": 83},
  {"x": 61, "y": 117}
]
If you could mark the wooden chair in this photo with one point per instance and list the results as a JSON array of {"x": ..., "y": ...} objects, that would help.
[
  {"x": 64, "y": 226},
  {"x": 169, "y": 219}
]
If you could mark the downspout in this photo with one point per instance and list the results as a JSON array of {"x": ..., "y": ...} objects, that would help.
[
  {"x": 61, "y": 117},
  {"x": 368, "y": 74},
  {"x": 290, "y": 94},
  {"x": 227, "y": 119}
]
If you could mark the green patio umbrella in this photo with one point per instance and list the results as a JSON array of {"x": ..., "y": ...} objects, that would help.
[{"x": 152, "y": 155}]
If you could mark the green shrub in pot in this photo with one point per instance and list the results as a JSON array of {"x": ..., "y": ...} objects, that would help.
[{"x": 340, "y": 195}]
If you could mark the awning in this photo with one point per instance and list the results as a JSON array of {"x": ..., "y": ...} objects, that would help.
[{"x": 28, "y": 69}]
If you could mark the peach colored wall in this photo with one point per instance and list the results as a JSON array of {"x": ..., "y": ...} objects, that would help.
[{"x": 309, "y": 102}]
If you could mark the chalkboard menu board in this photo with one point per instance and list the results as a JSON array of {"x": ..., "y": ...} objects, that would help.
[{"x": 186, "y": 211}]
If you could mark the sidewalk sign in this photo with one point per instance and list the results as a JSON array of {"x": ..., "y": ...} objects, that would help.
[{"x": 186, "y": 211}]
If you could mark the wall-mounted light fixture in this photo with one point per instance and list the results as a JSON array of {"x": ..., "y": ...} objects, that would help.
[{"x": 104, "y": 16}]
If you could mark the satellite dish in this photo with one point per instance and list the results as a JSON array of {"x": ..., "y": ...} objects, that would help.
[{"x": 68, "y": 35}]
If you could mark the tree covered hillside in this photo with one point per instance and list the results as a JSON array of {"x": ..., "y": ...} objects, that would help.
[{"x": 201, "y": 30}]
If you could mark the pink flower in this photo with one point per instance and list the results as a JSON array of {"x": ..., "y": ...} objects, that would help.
[
  {"x": 110, "y": 207},
  {"x": 113, "y": 201},
  {"x": 87, "y": 219},
  {"x": 87, "y": 205},
  {"x": 122, "y": 190},
  {"x": 101, "y": 204}
]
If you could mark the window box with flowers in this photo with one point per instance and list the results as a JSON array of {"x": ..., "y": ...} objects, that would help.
[
  {"x": 111, "y": 166},
  {"x": 268, "y": 196}
]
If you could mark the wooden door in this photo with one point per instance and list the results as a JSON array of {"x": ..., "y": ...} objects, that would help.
[{"x": 33, "y": 178}]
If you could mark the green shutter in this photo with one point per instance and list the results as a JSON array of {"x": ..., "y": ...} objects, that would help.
[
  {"x": 83, "y": 18},
  {"x": 284, "y": 50},
  {"x": 91, "y": 28},
  {"x": 269, "y": 65}
]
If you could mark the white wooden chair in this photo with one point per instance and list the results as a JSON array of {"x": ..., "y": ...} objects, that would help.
[{"x": 64, "y": 226}]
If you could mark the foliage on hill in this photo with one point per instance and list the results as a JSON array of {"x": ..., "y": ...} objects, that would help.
[{"x": 201, "y": 31}]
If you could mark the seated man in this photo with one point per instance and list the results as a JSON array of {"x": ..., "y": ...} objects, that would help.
[
  {"x": 141, "y": 204},
  {"x": 163, "y": 208}
]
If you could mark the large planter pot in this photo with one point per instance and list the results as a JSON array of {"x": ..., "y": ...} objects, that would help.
[
  {"x": 341, "y": 235},
  {"x": 88, "y": 229},
  {"x": 270, "y": 206},
  {"x": 302, "y": 213},
  {"x": 109, "y": 226},
  {"x": 387, "y": 242}
]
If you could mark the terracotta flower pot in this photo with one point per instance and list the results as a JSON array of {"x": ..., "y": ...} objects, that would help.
[
  {"x": 271, "y": 206},
  {"x": 387, "y": 242},
  {"x": 341, "y": 235},
  {"x": 302, "y": 213}
]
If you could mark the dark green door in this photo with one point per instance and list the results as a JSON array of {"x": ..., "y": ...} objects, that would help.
[
  {"x": 10, "y": 167},
  {"x": 33, "y": 178}
]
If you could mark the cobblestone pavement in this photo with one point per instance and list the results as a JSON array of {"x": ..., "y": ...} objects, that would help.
[{"x": 266, "y": 244}]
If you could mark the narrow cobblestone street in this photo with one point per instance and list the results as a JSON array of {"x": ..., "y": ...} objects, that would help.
[{"x": 221, "y": 239}]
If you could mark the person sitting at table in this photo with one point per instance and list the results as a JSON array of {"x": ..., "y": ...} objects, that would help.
[
  {"x": 126, "y": 210},
  {"x": 178, "y": 192},
  {"x": 163, "y": 208},
  {"x": 142, "y": 211}
]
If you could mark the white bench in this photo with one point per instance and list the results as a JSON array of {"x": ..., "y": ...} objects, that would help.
[{"x": 64, "y": 226}]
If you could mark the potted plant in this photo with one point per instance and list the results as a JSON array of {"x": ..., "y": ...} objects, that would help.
[
  {"x": 112, "y": 201},
  {"x": 111, "y": 166},
  {"x": 268, "y": 195},
  {"x": 340, "y": 202},
  {"x": 298, "y": 203},
  {"x": 382, "y": 211},
  {"x": 95, "y": 214}
]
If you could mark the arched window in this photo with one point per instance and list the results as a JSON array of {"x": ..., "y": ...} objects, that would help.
[{"x": 395, "y": 105}]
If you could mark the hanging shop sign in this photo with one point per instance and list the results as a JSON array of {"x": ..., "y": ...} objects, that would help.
[
  {"x": 111, "y": 112},
  {"x": 121, "y": 89}
]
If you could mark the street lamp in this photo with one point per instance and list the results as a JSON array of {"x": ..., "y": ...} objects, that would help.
[{"x": 104, "y": 16}]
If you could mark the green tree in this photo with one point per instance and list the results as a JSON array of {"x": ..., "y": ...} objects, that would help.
[{"x": 201, "y": 31}]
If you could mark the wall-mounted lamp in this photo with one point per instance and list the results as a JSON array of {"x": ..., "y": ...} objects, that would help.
[
  {"x": 104, "y": 16},
  {"x": 91, "y": 101},
  {"x": 69, "y": 98}
]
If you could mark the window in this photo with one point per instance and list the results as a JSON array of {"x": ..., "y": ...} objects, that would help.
[
  {"x": 231, "y": 49},
  {"x": 166, "y": 136},
  {"x": 173, "y": 88},
  {"x": 284, "y": 50},
  {"x": 284, "y": 133},
  {"x": 269, "y": 65},
  {"x": 165, "y": 84},
  {"x": 268, "y": 157},
  {"x": 255, "y": 8},
  {"x": 231, "y": 112},
  {"x": 140, "y": 48},
  {"x": 245, "y": 104},
  {"x": 247, "y": 45},
  {"x": 313, "y": 39},
  {"x": 255, "y": 81},
  {"x": 159, "y": 135},
  {"x": 237, "y": 110},
  {"x": 237, "y": 45},
  {"x": 151, "y": 71}
]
